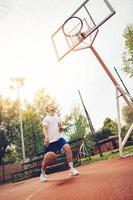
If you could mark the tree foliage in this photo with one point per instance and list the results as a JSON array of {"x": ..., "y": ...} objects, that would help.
[
  {"x": 127, "y": 115},
  {"x": 128, "y": 53},
  {"x": 109, "y": 128},
  {"x": 32, "y": 128},
  {"x": 82, "y": 129},
  {"x": 128, "y": 119},
  {"x": 8, "y": 115},
  {"x": 76, "y": 117},
  {"x": 110, "y": 125},
  {"x": 101, "y": 135}
]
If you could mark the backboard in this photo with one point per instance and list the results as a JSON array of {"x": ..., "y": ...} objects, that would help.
[{"x": 87, "y": 18}]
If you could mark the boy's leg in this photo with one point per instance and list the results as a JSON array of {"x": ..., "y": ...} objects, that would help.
[
  {"x": 68, "y": 151},
  {"x": 51, "y": 147},
  {"x": 44, "y": 166},
  {"x": 43, "y": 176}
]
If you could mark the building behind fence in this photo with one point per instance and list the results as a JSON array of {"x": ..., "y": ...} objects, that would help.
[{"x": 7, "y": 170}]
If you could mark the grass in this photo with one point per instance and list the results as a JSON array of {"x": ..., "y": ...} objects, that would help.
[{"x": 108, "y": 155}]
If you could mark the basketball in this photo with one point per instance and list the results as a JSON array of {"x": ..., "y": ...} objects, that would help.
[{"x": 50, "y": 158}]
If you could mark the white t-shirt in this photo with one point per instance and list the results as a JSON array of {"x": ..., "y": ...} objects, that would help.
[{"x": 53, "y": 130}]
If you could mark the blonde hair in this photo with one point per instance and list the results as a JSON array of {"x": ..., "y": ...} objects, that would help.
[{"x": 51, "y": 106}]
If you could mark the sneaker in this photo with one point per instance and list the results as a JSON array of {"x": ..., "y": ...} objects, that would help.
[
  {"x": 43, "y": 178},
  {"x": 74, "y": 172}
]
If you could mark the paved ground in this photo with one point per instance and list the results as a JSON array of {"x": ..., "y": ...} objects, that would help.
[{"x": 104, "y": 180}]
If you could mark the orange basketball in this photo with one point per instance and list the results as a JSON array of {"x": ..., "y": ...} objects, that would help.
[{"x": 50, "y": 158}]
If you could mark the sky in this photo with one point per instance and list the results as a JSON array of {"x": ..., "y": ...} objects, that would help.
[{"x": 26, "y": 51}]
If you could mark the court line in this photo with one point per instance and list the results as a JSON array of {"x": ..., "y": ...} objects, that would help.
[{"x": 37, "y": 190}]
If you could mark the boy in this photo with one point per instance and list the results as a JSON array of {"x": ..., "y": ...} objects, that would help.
[{"x": 52, "y": 128}]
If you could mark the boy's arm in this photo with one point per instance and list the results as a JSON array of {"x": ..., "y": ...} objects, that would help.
[
  {"x": 46, "y": 140},
  {"x": 60, "y": 125}
]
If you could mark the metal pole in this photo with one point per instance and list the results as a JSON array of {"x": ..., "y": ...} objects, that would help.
[
  {"x": 123, "y": 83},
  {"x": 87, "y": 115},
  {"x": 18, "y": 83},
  {"x": 111, "y": 76},
  {"x": 21, "y": 126},
  {"x": 118, "y": 120},
  {"x": 34, "y": 136},
  {"x": 90, "y": 123},
  {"x": 127, "y": 135},
  {"x": 22, "y": 137}
]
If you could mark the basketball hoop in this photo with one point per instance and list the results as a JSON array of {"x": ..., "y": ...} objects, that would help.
[
  {"x": 82, "y": 23},
  {"x": 75, "y": 22}
]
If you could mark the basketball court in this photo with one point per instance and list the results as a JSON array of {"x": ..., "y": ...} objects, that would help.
[
  {"x": 111, "y": 179},
  {"x": 103, "y": 180}
]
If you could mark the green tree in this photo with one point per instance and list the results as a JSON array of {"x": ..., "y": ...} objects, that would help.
[
  {"x": 81, "y": 128},
  {"x": 33, "y": 133},
  {"x": 8, "y": 115},
  {"x": 101, "y": 135},
  {"x": 128, "y": 54},
  {"x": 10, "y": 155},
  {"x": 110, "y": 125},
  {"x": 127, "y": 114},
  {"x": 76, "y": 117}
]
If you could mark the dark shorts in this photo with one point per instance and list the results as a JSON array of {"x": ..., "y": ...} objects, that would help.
[{"x": 55, "y": 146}]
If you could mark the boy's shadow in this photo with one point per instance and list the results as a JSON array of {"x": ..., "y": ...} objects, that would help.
[{"x": 64, "y": 181}]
